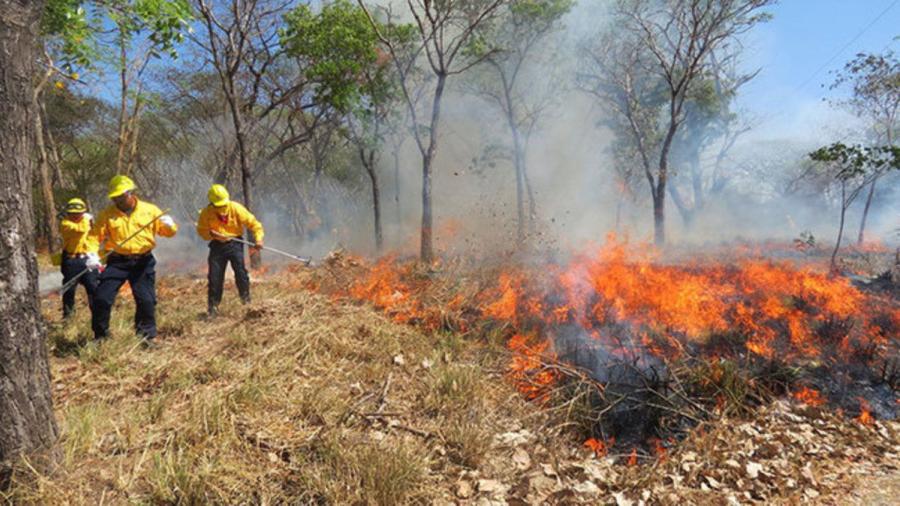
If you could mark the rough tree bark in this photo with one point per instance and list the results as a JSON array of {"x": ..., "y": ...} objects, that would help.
[{"x": 26, "y": 413}]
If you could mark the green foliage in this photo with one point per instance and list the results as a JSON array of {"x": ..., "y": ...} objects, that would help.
[
  {"x": 338, "y": 46},
  {"x": 540, "y": 12},
  {"x": 166, "y": 21},
  {"x": 520, "y": 26},
  {"x": 67, "y": 21},
  {"x": 854, "y": 161},
  {"x": 76, "y": 26}
]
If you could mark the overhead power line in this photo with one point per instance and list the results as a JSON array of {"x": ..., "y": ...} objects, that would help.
[{"x": 848, "y": 44}]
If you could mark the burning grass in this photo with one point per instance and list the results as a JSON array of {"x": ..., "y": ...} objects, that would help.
[
  {"x": 631, "y": 347},
  {"x": 303, "y": 398}
]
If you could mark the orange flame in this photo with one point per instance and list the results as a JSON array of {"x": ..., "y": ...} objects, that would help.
[
  {"x": 865, "y": 413},
  {"x": 809, "y": 396},
  {"x": 630, "y": 302},
  {"x": 659, "y": 449},
  {"x": 599, "y": 446},
  {"x": 528, "y": 367}
]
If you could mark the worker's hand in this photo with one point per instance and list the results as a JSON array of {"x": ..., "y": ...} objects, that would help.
[
  {"x": 89, "y": 216},
  {"x": 167, "y": 221},
  {"x": 257, "y": 247},
  {"x": 92, "y": 262}
]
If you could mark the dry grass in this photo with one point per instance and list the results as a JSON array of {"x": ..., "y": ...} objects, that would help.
[
  {"x": 301, "y": 399},
  {"x": 292, "y": 398}
]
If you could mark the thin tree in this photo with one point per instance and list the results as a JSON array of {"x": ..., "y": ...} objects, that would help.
[
  {"x": 615, "y": 72},
  {"x": 853, "y": 168},
  {"x": 447, "y": 33},
  {"x": 352, "y": 78},
  {"x": 26, "y": 412},
  {"x": 672, "y": 42},
  {"x": 268, "y": 95},
  {"x": 875, "y": 83},
  {"x": 711, "y": 127},
  {"x": 522, "y": 27},
  {"x": 50, "y": 224}
]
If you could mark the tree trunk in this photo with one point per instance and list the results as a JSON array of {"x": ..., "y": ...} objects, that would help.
[
  {"x": 51, "y": 227},
  {"x": 840, "y": 236},
  {"x": 246, "y": 173},
  {"x": 123, "y": 104},
  {"x": 871, "y": 195},
  {"x": 697, "y": 186},
  {"x": 532, "y": 205},
  {"x": 687, "y": 214},
  {"x": 426, "y": 250},
  {"x": 659, "y": 196},
  {"x": 426, "y": 247},
  {"x": 397, "y": 184},
  {"x": 26, "y": 411},
  {"x": 659, "y": 219},
  {"x": 865, "y": 213},
  {"x": 53, "y": 150},
  {"x": 134, "y": 127},
  {"x": 517, "y": 163},
  {"x": 368, "y": 161},
  {"x": 520, "y": 194}
]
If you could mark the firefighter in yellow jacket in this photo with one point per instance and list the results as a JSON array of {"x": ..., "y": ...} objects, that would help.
[
  {"x": 220, "y": 221},
  {"x": 131, "y": 260},
  {"x": 78, "y": 249}
]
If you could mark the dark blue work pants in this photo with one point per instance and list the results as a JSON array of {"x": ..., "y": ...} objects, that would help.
[
  {"x": 73, "y": 266},
  {"x": 140, "y": 272},
  {"x": 221, "y": 254}
]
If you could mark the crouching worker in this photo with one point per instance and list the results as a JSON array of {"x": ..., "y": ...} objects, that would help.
[
  {"x": 219, "y": 222},
  {"x": 78, "y": 249},
  {"x": 128, "y": 230}
]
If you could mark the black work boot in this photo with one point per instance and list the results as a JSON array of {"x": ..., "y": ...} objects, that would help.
[{"x": 212, "y": 311}]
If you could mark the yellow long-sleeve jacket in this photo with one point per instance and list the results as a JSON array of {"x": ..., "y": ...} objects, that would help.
[
  {"x": 113, "y": 226},
  {"x": 228, "y": 221},
  {"x": 76, "y": 236}
]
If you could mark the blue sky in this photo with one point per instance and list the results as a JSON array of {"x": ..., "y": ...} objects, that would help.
[{"x": 798, "y": 48}]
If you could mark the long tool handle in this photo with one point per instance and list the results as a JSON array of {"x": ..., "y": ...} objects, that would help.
[
  {"x": 305, "y": 260},
  {"x": 71, "y": 282}
]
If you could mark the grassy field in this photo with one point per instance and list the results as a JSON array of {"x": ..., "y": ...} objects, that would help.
[{"x": 299, "y": 398}]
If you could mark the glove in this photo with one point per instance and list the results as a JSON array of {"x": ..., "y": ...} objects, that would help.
[
  {"x": 89, "y": 216},
  {"x": 258, "y": 246},
  {"x": 93, "y": 262},
  {"x": 167, "y": 221}
]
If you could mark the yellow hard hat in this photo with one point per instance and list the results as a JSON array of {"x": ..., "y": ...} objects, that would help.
[
  {"x": 120, "y": 184},
  {"x": 218, "y": 195},
  {"x": 76, "y": 206}
]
